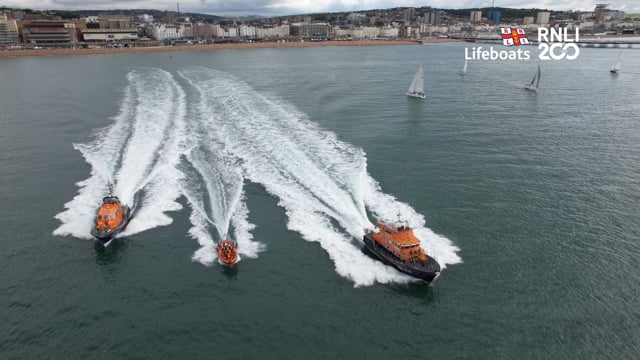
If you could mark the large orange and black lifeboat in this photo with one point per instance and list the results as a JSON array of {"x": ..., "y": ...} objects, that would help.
[
  {"x": 228, "y": 252},
  {"x": 111, "y": 219},
  {"x": 396, "y": 245}
]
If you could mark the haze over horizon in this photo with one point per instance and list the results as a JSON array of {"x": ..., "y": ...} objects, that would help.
[{"x": 293, "y": 7}]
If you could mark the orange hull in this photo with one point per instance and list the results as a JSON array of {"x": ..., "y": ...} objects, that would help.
[{"x": 228, "y": 252}]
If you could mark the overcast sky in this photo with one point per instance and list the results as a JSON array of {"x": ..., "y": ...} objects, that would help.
[{"x": 289, "y": 7}]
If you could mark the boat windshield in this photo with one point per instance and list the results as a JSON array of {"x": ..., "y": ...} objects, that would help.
[
  {"x": 409, "y": 246},
  {"x": 391, "y": 228},
  {"x": 394, "y": 228},
  {"x": 110, "y": 200}
]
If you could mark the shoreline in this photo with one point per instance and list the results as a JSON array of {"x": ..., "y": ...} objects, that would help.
[{"x": 211, "y": 47}]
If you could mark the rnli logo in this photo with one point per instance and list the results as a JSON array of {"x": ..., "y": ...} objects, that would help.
[{"x": 513, "y": 36}]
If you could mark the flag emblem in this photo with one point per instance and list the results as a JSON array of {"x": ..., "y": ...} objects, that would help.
[{"x": 513, "y": 36}]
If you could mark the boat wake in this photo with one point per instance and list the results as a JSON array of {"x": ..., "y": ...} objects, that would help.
[
  {"x": 321, "y": 182},
  {"x": 147, "y": 151},
  {"x": 234, "y": 135},
  {"x": 214, "y": 188},
  {"x": 139, "y": 151}
]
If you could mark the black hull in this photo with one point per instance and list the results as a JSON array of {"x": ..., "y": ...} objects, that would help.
[
  {"x": 105, "y": 236},
  {"x": 424, "y": 271}
]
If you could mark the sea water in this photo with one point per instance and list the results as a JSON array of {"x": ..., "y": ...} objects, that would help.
[{"x": 529, "y": 200}]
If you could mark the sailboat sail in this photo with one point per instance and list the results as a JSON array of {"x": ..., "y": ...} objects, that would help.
[
  {"x": 535, "y": 82},
  {"x": 417, "y": 84},
  {"x": 616, "y": 66},
  {"x": 464, "y": 68}
]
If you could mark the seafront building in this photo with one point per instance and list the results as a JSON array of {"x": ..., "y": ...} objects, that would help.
[
  {"x": 49, "y": 32},
  {"x": 543, "y": 18},
  {"x": 8, "y": 30},
  {"x": 110, "y": 35},
  {"x": 476, "y": 17},
  {"x": 30, "y": 30}
]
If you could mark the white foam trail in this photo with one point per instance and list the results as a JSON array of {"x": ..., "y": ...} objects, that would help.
[
  {"x": 223, "y": 184},
  {"x": 221, "y": 203},
  {"x": 140, "y": 151},
  {"x": 160, "y": 181},
  {"x": 318, "y": 179},
  {"x": 348, "y": 258},
  {"x": 226, "y": 206},
  {"x": 242, "y": 230},
  {"x": 207, "y": 254},
  {"x": 159, "y": 120},
  {"x": 386, "y": 208},
  {"x": 103, "y": 156}
]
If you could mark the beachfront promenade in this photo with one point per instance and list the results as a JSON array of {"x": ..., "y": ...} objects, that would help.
[{"x": 209, "y": 47}]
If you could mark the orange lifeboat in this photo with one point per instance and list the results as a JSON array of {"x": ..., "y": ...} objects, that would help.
[
  {"x": 396, "y": 245},
  {"x": 111, "y": 219},
  {"x": 228, "y": 252}
]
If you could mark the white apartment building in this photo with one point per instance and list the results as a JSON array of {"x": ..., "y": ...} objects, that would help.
[
  {"x": 388, "y": 32},
  {"x": 231, "y": 32},
  {"x": 368, "y": 32},
  {"x": 341, "y": 33},
  {"x": 269, "y": 32},
  {"x": 146, "y": 18},
  {"x": 475, "y": 16},
  {"x": 247, "y": 31},
  {"x": 165, "y": 32},
  {"x": 8, "y": 30},
  {"x": 216, "y": 30},
  {"x": 543, "y": 18},
  {"x": 185, "y": 30}
]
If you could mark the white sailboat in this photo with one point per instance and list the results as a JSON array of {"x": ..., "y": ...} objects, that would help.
[
  {"x": 464, "y": 68},
  {"x": 533, "y": 84},
  {"x": 417, "y": 84},
  {"x": 616, "y": 66}
]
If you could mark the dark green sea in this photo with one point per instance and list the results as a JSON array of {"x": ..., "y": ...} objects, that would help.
[{"x": 530, "y": 201}]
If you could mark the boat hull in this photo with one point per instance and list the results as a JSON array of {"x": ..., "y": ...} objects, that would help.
[
  {"x": 106, "y": 236},
  {"x": 426, "y": 271},
  {"x": 417, "y": 96}
]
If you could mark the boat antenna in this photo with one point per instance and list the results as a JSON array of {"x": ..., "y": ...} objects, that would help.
[{"x": 110, "y": 188}]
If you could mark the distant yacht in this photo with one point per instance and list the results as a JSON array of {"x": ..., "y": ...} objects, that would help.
[
  {"x": 464, "y": 68},
  {"x": 533, "y": 84},
  {"x": 616, "y": 66},
  {"x": 417, "y": 85}
]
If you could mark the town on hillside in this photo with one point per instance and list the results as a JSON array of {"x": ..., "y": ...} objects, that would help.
[{"x": 28, "y": 29}]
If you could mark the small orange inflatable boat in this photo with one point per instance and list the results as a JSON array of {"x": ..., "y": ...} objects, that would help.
[{"x": 228, "y": 252}]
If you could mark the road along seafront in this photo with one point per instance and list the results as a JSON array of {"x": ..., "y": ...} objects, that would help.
[{"x": 204, "y": 47}]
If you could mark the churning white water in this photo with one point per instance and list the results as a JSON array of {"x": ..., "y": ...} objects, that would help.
[{"x": 162, "y": 146}]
